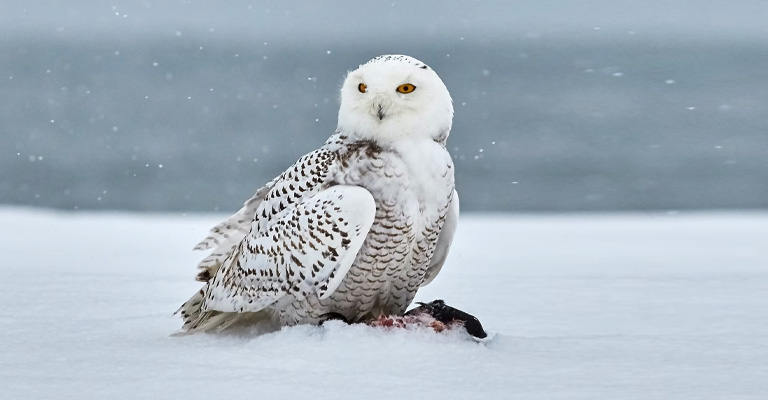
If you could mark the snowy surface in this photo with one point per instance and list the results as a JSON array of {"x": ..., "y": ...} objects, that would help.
[{"x": 580, "y": 307}]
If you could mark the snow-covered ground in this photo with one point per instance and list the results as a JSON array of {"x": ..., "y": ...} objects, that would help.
[{"x": 580, "y": 307}]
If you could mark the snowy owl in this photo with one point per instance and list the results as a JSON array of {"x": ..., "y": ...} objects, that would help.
[{"x": 352, "y": 229}]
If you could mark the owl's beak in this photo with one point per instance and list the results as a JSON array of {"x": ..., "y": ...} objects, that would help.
[
  {"x": 380, "y": 113},
  {"x": 381, "y": 104}
]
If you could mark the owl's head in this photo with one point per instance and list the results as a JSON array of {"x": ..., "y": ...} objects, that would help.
[{"x": 393, "y": 97}]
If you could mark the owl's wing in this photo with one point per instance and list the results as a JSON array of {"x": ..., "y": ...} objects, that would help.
[
  {"x": 308, "y": 247},
  {"x": 237, "y": 222},
  {"x": 443, "y": 241},
  {"x": 225, "y": 236}
]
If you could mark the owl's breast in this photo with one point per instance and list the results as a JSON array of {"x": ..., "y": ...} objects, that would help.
[
  {"x": 414, "y": 178},
  {"x": 429, "y": 169}
]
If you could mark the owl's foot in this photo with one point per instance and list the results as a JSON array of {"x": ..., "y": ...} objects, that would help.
[
  {"x": 449, "y": 316},
  {"x": 334, "y": 316}
]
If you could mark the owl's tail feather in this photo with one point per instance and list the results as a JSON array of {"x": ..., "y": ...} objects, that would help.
[
  {"x": 196, "y": 320},
  {"x": 191, "y": 311}
]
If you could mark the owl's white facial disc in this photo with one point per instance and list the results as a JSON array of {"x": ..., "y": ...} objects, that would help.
[{"x": 373, "y": 108}]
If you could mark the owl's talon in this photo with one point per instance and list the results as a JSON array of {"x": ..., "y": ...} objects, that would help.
[{"x": 333, "y": 316}]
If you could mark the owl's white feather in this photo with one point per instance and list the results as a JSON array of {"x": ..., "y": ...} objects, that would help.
[{"x": 353, "y": 228}]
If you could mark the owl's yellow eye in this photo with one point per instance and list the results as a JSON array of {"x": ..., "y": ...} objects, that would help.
[
  {"x": 406, "y": 88},
  {"x": 362, "y": 87}
]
